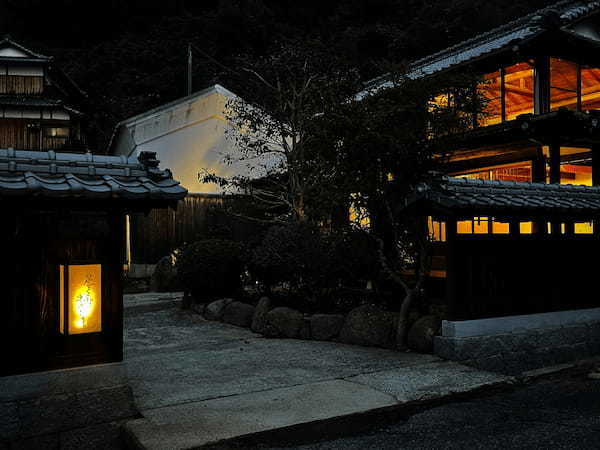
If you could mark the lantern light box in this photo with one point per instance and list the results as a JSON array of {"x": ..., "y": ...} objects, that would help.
[{"x": 80, "y": 298}]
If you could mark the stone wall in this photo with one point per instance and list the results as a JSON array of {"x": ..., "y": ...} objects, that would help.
[{"x": 515, "y": 352}]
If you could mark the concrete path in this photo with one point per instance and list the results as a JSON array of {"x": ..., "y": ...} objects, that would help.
[{"x": 198, "y": 383}]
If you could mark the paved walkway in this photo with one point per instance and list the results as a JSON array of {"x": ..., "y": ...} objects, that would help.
[{"x": 198, "y": 382}]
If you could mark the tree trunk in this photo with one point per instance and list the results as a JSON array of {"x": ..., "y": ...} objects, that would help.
[{"x": 402, "y": 330}]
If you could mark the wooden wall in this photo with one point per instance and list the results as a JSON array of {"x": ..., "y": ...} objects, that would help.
[
  {"x": 499, "y": 276},
  {"x": 19, "y": 84}
]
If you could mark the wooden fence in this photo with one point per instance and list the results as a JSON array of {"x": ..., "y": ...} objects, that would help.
[{"x": 198, "y": 216}]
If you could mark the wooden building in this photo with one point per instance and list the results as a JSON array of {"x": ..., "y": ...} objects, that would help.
[
  {"x": 511, "y": 237},
  {"x": 515, "y": 220},
  {"x": 63, "y": 242},
  {"x": 41, "y": 108}
]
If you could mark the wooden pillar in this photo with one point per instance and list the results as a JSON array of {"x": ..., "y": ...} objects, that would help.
[
  {"x": 555, "y": 162},
  {"x": 451, "y": 269},
  {"x": 542, "y": 85},
  {"x": 538, "y": 167}
]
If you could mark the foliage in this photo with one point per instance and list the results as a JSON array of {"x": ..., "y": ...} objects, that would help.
[
  {"x": 316, "y": 270},
  {"x": 378, "y": 150},
  {"x": 270, "y": 125},
  {"x": 295, "y": 255},
  {"x": 210, "y": 268}
]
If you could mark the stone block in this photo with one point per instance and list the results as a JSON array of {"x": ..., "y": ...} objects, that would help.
[
  {"x": 284, "y": 322},
  {"x": 259, "y": 319},
  {"x": 216, "y": 309},
  {"x": 239, "y": 314},
  {"x": 420, "y": 335},
  {"x": 325, "y": 327},
  {"x": 371, "y": 326}
]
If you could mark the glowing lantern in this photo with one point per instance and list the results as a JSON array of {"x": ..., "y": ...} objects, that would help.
[{"x": 80, "y": 298}]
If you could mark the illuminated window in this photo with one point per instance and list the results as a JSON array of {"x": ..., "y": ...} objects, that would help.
[
  {"x": 490, "y": 91},
  {"x": 437, "y": 230},
  {"x": 500, "y": 227},
  {"x": 464, "y": 227},
  {"x": 513, "y": 172},
  {"x": 584, "y": 228},
  {"x": 590, "y": 88},
  {"x": 80, "y": 298},
  {"x": 518, "y": 86},
  {"x": 526, "y": 227},
  {"x": 480, "y": 225},
  {"x": 562, "y": 229},
  {"x": 575, "y": 174},
  {"x": 57, "y": 132},
  {"x": 563, "y": 84}
]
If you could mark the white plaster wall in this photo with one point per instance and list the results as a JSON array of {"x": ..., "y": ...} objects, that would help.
[
  {"x": 188, "y": 136},
  {"x": 12, "y": 52},
  {"x": 190, "y": 149}
]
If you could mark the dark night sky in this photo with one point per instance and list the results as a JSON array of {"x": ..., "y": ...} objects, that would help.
[{"x": 129, "y": 55}]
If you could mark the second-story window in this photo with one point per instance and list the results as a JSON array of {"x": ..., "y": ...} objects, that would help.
[
  {"x": 518, "y": 87},
  {"x": 508, "y": 93},
  {"x": 563, "y": 84}
]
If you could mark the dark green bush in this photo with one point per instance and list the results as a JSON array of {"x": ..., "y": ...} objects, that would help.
[
  {"x": 314, "y": 267},
  {"x": 295, "y": 256},
  {"x": 210, "y": 268},
  {"x": 355, "y": 260}
]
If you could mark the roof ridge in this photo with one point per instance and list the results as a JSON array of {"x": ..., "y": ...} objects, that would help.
[{"x": 522, "y": 21}]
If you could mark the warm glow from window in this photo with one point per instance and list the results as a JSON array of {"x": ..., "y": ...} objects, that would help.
[
  {"x": 575, "y": 174},
  {"x": 509, "y": 172},
  {"x": 590, "y": 88},
  {"x": 584, "y": 227},
  {"x": 518, "y": 85},
  {"x": 480, "y": 225},
  {"x": 437, "y": 230},
  {"x": 563, "y": 84},
  {"x": 526, "y": 227},
  {"x": 500, "y": 227},
  {"x": 464, "y": 227},
  {"x": 81, "y": 293},
  {"x": 490, "y": 91}
]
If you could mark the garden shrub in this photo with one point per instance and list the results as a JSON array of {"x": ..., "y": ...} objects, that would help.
[
  {"x": 211, "y": 268},
  {"x": 294, "y": 255},
  {"x": 355, "y": 260}
]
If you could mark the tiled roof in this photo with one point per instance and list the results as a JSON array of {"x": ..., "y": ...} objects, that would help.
[
  {"x": 35, "y": 102},
  {"x": 458, "y": 194},
  {"x": 565, "y": 12},
  {"x": 69, "y": 175}
]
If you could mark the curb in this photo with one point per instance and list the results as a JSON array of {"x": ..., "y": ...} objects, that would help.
[{"x": 336, "y": 427}]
